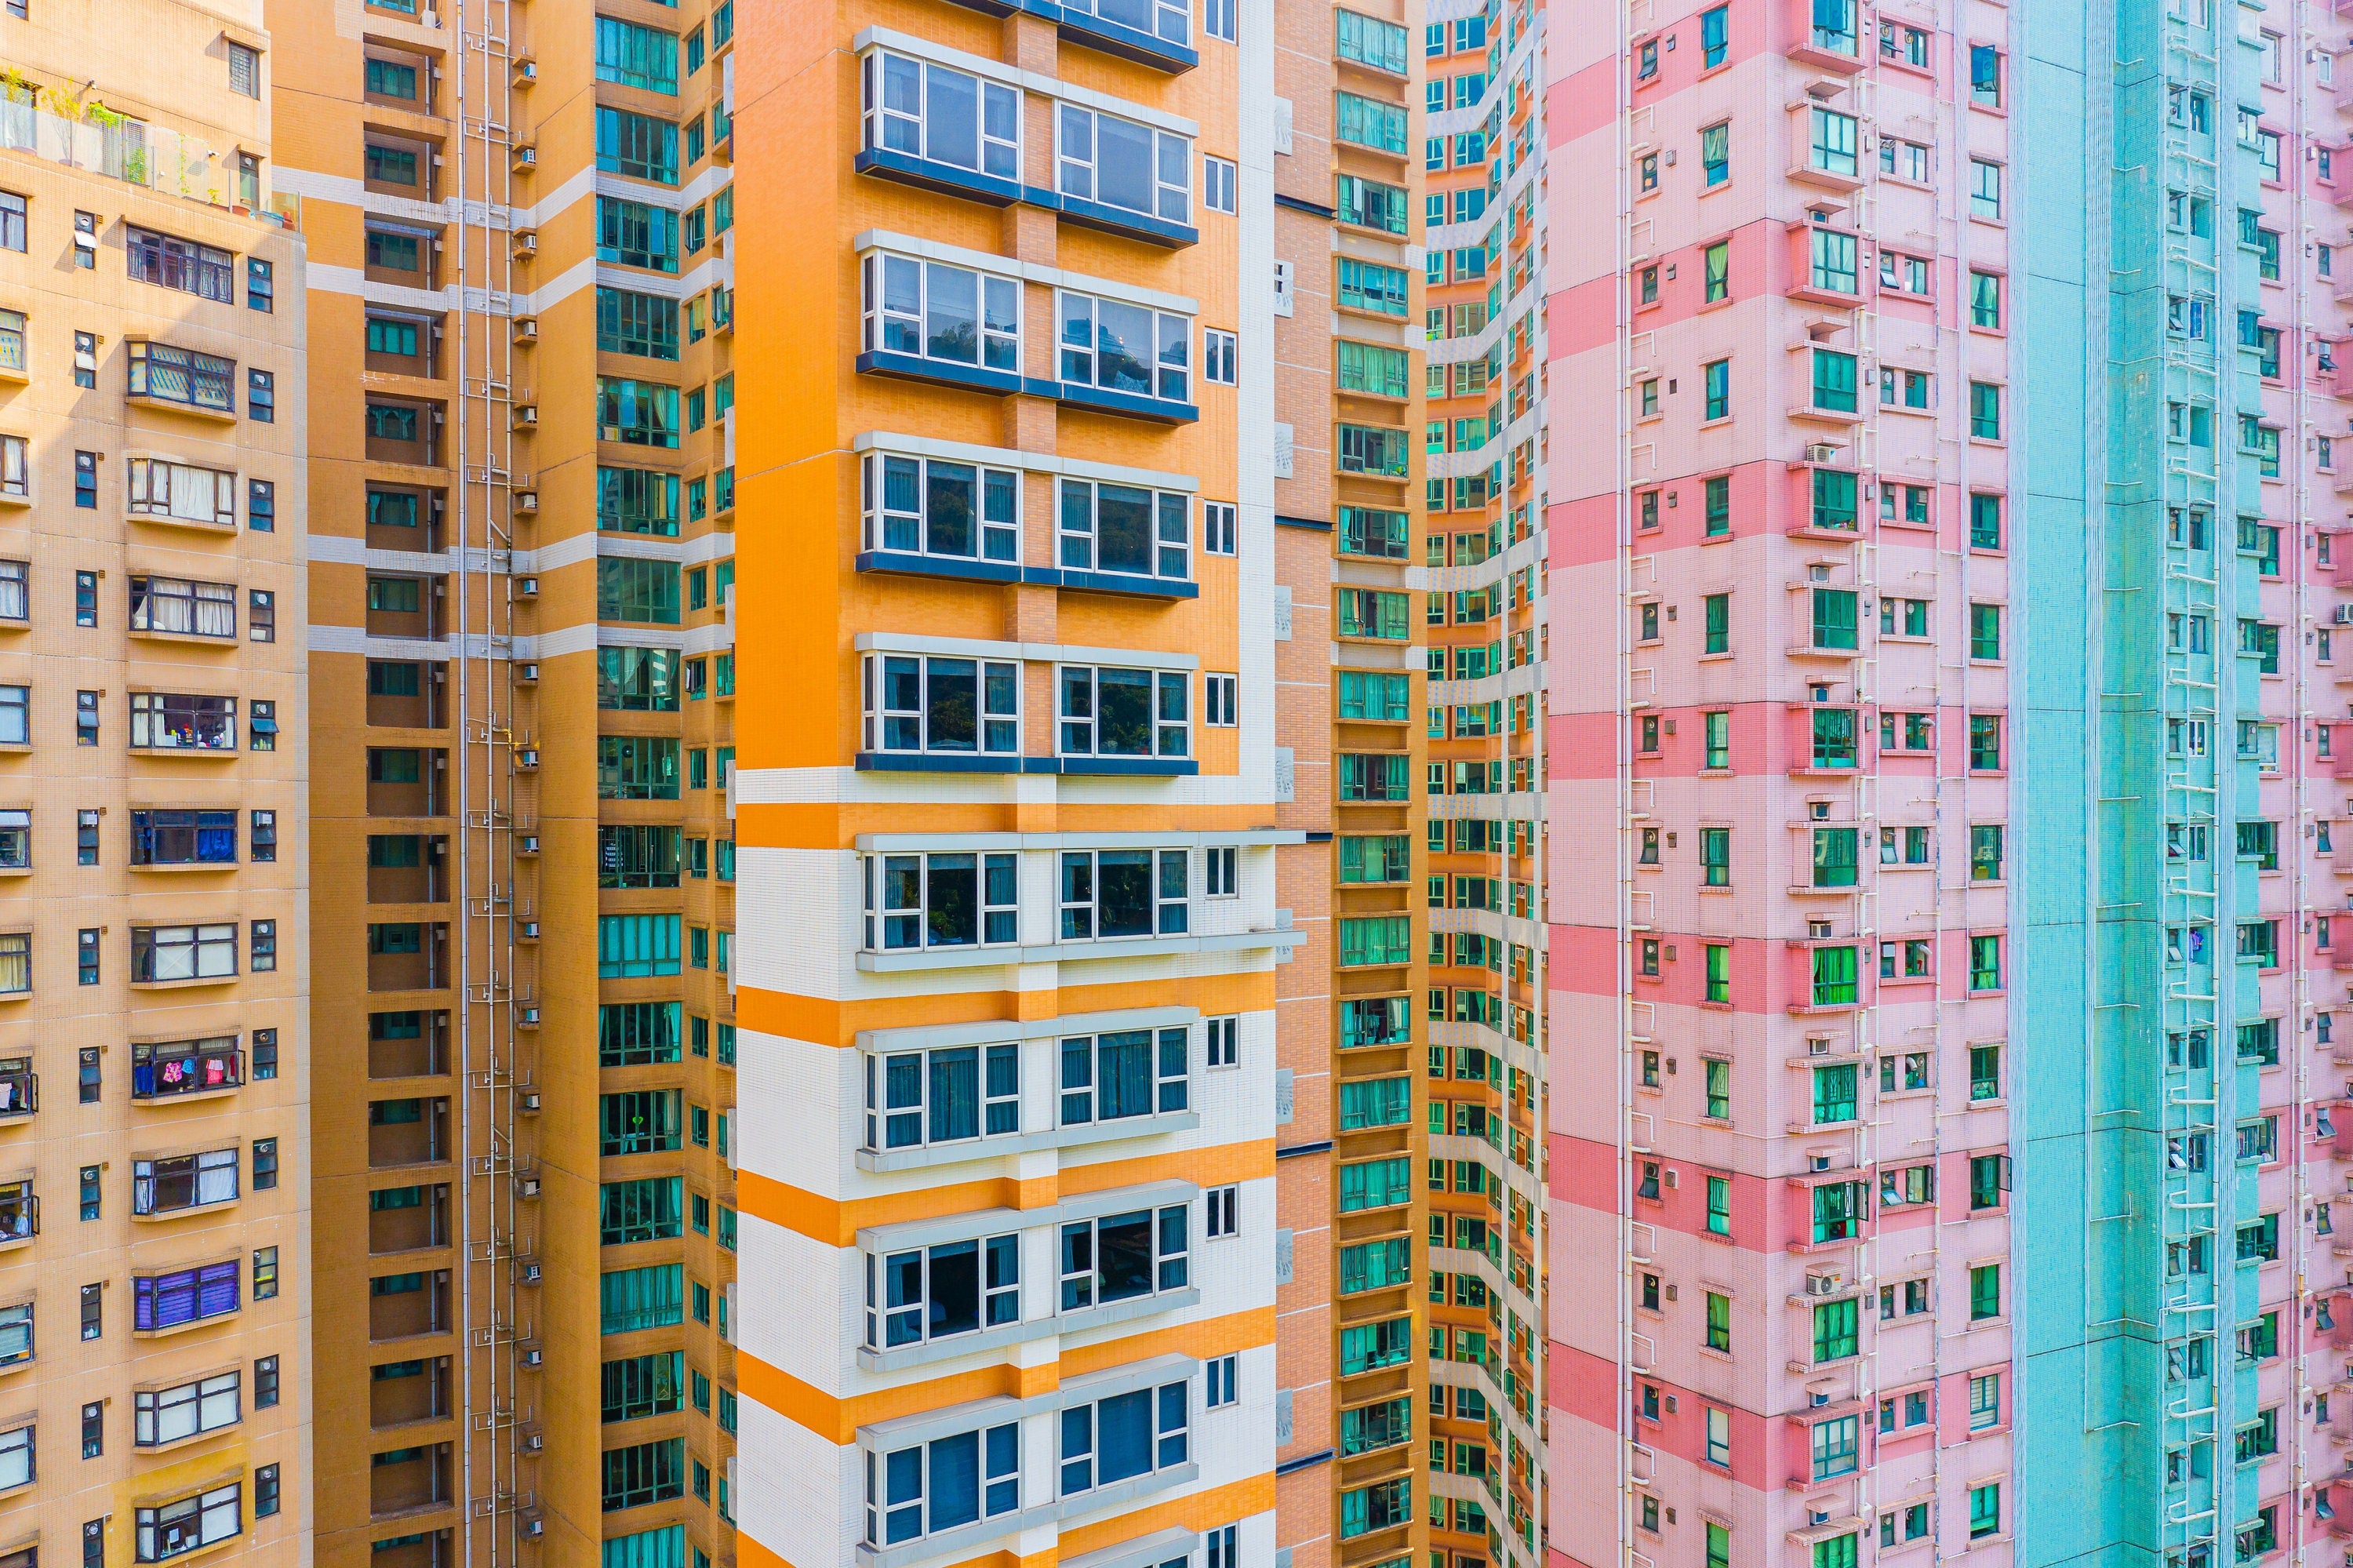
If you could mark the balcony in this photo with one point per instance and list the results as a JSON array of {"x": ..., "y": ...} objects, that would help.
[
  {"x": 408, "y": 956},
  {"x": 1825, "y": 33},
  {"x": 407, "y": 868},
  {"x": 404, "y": 430},
  {"x": 408, "y": 1045},
  {"x": 405, "y": 606},
  {"x": 408, "y": 1219},
  {"x": 407, "y": 1132},
  {"x": 408, "y": 1480},
  {"x": 402, "y": 1306},
  {"x": 407, "y": 693},
  {"x": 405, "y": 781},
  {"x": 417, "y": 1391}
]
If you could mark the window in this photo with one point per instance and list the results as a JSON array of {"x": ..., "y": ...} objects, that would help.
[
  {"x": 185, "y": 1410},
  {"x": 183, "y": 1181},
  {"x": 942, "y": 706},
  {"x": 932, "y": 311},
  {"x": 1114, "y": 1077},
  {"x": 636, "y": 56},
  {"x": 159, "y": 259},
  {"x": 163, "y": 1070},
  {"x": 1715, "y": 154},
  {"x": 86, "y": 497},
  {"x": 1717, "y": 388},
  {"x": 939, "y": 1292},
  {"x": 1368, "y": 204},
  {"x": 1985, "y": 190},
  {"x": 637, "y": 414},
  {"x": 186, "y": 1295},
  {"x": 160, "y": 954},
  {"x": 632, "y": 945},
  {"x": 181, "y": 493},
  {"x": 644, "y": 324},
  {"x": 175, "y": 605},
  {"x": 941, "y": 900},
  {"x": 1370, "y": 41},
  {"x": 645, "y": 1209},
  {"x": 260, "y": 396},
  {"x": 12, "y": 206},
  {"x": 1118, "y": 528},
  {"x": 632, "y": 589},
  {"x": 942, "y": 1484},
  {"x": 943, "y": 116},
  {"x": 950, "y": 1094},
  {"x": 644, "y": 1473}
]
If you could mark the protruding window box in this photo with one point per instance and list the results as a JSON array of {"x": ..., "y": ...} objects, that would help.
[
  {"x": 1826, "y": 34},
  {"x": 166, "y": 1072},
  {"x": 1105, "y": 400},
  {"x": 181, "y": 381},
  {"x": 20, "y": 1214},
  {"x": 1155, "y": 35},
  {"x": 944, "y": 130},
  {"x": 20, "y": 1090},
  {"x": 1827, "y": 975},
  {"x": 1825, "y": 264},
  {"x": 1824, "y": 503},
  {"x": 1825, "y": 738}
]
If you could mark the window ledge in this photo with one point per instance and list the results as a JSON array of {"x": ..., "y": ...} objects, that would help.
[
  {"x": 169, "y": 1214},
  {"x": 11, "y": 1244},
  {"x": 191, "y": 983},
  {"x": 205, "y": 752},
  {"x": 176, "y": 869},
  {"x": 946, "y": 373},
  {"x": 16, "y": 870},
  {"x": 16, "y": 498},
  {"x": 875, "y": 1160},
  {"x": 1079, "y": 394},
  {"x": 191, "y": 1440},
  {"x": 165, "y": 406},
  {"x": 154, "y": 1102}
]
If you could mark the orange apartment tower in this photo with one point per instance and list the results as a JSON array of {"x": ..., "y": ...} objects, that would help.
[{"x": 154, "y": 1196}]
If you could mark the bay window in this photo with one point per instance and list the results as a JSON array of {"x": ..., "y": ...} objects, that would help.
[
  {"x": 927, "y": 506},
  {"x": 940, "y": 115},
  {"x": 1109, "y": 712},
  {"x": 941, "y": 900},
  {"x": 184, "y": 1410},
  {"x": 161, "y": 1069},
  {"x": 172, "y": 375},
  {"x": 1171, "y": 21},
  {"x": 927, "y": 1293},
  {"x": 185, "y": 1295},
  {"x": 1123, "y": 528},
  {"x": 164, "y": 953},
  {"x": 948, "y": 1094},
  {"x": 174, "y": 1529},
  {"x": 1370, "y": 450},
  {"x": 167, "y": 1185},
  {"x": 1834, "y": 143},
  {"x": 955, "y": 706},
  {"x": 1121, "y": 1074},
  {"x": 1123, "y": 347},
  {"x": 1123, "y": 893},
  {"x": 1124, "y": 1435},
  {"x": 182, "y": 492},
  {"x": 178, "y": 605},
  {"x": 1118, "y": 162},
  {"x": 933, "y": 311},
  {"x": 926, "y": 1489}
]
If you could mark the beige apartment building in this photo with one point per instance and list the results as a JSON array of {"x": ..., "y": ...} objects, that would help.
[{"x": 154, "y": 1171}]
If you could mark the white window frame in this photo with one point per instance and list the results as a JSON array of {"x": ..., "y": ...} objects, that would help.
[
  {"x": 997, "y": 156},
  {"x": 1221, "y": 871},
  {"x": 1170, "y": 544},
  {"x": 889, "y": 329},
  {"x": 1219, "y": 182},
  {"x": 1221, "y": 1212},
  {"x": 1218, "y": 532},
  {"x": 996, "y": 706},
  {"x": 1081, "y": 918},
  {"x": 1221, "y": 1041},
  {"x": 189, "y": 1409},
  {"x": 1075, "y": 172},
  {"x": 997, "y": 1299},
  {"x": 1080, "y": 1286},
  {"x": 1221, "y": 1382},
  {"x": 1080, "y": 733},
  {"x": 1079, "y": 361},
  {"x": 1221, "y": 701},
  {"x": 1222, "y": 354},
  {"x": 1172, "y": 21},
  {"x": 879, "y": 915},
  {"x": 997, "y": 515},
  {"x": 1000, "y": 1108},
  {"x": 1218, "y": 20}
]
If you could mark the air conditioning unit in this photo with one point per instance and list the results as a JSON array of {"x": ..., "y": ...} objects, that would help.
[
  {"x": 1818, "y": 1161},
  {"x": 526, "y": 71},
  {"x": 528, "y": 1274},
  {"x": 1818, "y": 1398},
  {"x": 527, "y": 1187},
  {"x": 526, "y": 587},
  {"x": 526, "y": 157},
  {"x": 526, "y": 416},
  {"x": 528, "y": 1353},
  {"x": 533, "y": 1527},
  {"x": 2344, "y": 616},
  {"x": 526, "y": 501},
  {"x": 527, "y": 1102},
  {"x": 529, "y": 1019},
  {"x": 1823, "y": 1283},
  {"x": 526, "y": 843},
  {"x": 532, "y": 1442},
  {"x": 1820, "y": 452},
  {"x": 1817, "y": 1515},
  {"x": 528, "y": 670},
  {"x": 526, "y": 242},
  {"x": 1816, "y": 1045},
  {"x": 528, "y": 931},
  {"x": 526, "y": 329},
  {"x": 527, "y": 759}
]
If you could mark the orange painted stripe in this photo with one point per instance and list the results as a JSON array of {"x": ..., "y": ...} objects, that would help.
[
  {"x": 826, "y": 1019},
  {"x": 835, "y": 1221},
  {"x": 837, "y": 1420},
  {"x": 836, "y": 825}
]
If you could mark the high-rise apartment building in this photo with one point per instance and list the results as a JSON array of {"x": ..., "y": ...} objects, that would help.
[
  {"x": 155, "y": 1301},
  {"x": 1785, "y": 716},
  {"x": 522, "y": 648}
]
